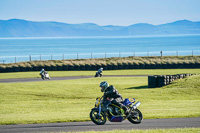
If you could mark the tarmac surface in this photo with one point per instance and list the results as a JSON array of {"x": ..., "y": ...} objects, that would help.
[
  {"x": 90, "y": 126},
  {"x": 61, "y": 78}
]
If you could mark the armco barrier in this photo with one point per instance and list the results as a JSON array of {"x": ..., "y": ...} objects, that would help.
[{"x": 162, "y": 80}]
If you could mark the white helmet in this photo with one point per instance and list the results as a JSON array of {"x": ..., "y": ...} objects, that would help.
[{"x": 104, "y": 85}]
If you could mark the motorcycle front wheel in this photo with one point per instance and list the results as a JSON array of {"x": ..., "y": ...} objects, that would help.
[
  {"x": 96, "y": 118},
  {"x": 135, "y": 117}
]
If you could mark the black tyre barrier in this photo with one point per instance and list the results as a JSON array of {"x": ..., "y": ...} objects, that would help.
[
  {"x": 87, "y": 67},
  {"x": 2, "y": 69},
  {"x": 109, "y": 66},
  {"x": 22, "y": 69},
  {"x": 65, "y": 67},
  {"x": 47, "y": 68},
  {"x": 29, "y": 68},
  {"x": 36, "y": 68},
  {"x": 59, "y": 67},
  {"x": 120, "y": 66},
  {"x": 104, "y": 67},
  {"x": 94, "y": 67},
  {"x": 141, "y": 66},
  {"x": 147, "y": 66},
  {"x": 125, "y": 66},
  {"x": 71, "y": 67},
  {"x": 82, "y": 67},
  {"x": 115, "y": 66},
  {"x": 131, "y": 66},
  {"x": 98, "y": 66},
  {"x": 76, "y": 67},
  {"x": 152, "y": 81},
  {"x": 9, "y": 69},
  {"x": 53, "y": 68},
  {"x": 162, "y": 80},
  {"x": 16, "y": 69}
]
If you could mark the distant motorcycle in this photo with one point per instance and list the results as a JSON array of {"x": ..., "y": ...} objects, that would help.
[
  {"x": 98, "y": 74},
  {"x": 45, "y": 75},
  {"x": 114, "y": 113}
]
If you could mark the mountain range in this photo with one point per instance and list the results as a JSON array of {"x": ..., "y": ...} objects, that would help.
[{"x": 24, "y": 28}]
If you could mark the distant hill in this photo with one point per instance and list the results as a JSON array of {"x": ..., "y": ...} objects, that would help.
[{"x": 23, "y": 28}]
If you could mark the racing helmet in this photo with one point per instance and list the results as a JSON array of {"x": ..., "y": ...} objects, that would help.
[{"x": 104, "y": 85}]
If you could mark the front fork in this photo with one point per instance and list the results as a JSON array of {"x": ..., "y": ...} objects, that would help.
[
  {"x": 133, "y": 108},
  {"x": 100, "y": 110}
]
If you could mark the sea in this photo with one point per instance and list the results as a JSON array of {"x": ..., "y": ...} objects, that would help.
[{"x": 14, "y": 50}]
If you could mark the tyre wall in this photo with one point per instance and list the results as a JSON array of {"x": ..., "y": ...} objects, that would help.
[
  {"x": 162, "y": 80},
  {"x": 71, "y": 67}
]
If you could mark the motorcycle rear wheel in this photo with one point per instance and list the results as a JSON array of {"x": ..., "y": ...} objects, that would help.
[
  {"x": 136, "y": 117},
  {"x": 99, "y": 120}
]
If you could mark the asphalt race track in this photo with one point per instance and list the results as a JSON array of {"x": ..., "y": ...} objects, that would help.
[
  {"x": 60, "y": 78},
  {"x": 89, "y": 126}
]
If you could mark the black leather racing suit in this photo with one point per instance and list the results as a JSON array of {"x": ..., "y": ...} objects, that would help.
[{"x": 116, "y": 98}]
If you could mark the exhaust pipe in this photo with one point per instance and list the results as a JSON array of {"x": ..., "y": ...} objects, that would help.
[{"x": 136, "y": 105}]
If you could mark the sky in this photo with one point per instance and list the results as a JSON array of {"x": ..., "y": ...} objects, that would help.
[{"x": 101, "y": 12}]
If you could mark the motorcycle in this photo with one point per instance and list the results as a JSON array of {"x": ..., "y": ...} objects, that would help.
[
  {"x": 114, "y": 113},
  {"x": 45, "y": 75},
  {"x": 98, "y": 74}
]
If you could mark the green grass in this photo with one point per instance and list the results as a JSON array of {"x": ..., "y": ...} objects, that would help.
[
  {"x": 177, "y": 130},
  {"x": 106, "y": 72},
  {"x": 72, "y": 100}
]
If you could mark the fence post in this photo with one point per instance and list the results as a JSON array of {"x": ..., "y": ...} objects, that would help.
[
  {"x": 77, "y": 55},
  {"x": 91, "y": 55},
  {"x": 30, "y": 57},
  {"x": 63, "y": 56},
  {"x": 51, "y": 57},
  {"x": 15, "y": 59},
  {"x": 40, "y": 57},
  {"x": 105, "y": 54}
]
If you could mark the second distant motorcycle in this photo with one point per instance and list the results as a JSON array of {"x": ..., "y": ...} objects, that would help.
[
  {"x": 99, "y": 73},
  {"x": 44, "y": 74}
]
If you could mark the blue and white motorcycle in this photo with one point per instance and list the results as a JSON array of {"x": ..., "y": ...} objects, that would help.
[{"x": 114, "y": 113}]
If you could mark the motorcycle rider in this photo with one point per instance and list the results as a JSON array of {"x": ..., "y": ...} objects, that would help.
[
  {"x": 112, "y": 93},
  {"x": 100, "y": 70},
  {"x": 42, "y": 71}
]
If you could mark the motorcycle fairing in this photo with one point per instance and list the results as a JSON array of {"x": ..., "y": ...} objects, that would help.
[
  {"x": 116, "y": 119},
  {"x": 128, "y": 101}
]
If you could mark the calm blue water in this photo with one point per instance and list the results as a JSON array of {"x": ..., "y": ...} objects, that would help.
[{"x": 19, "y": 49}]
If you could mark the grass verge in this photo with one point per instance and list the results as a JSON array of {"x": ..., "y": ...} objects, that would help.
[
  {"x": 177, "y": 130},
  {"x": 71, "y": 100}
]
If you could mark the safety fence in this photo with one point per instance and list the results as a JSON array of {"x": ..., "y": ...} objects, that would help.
[{"x": 25, "y": 58}]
